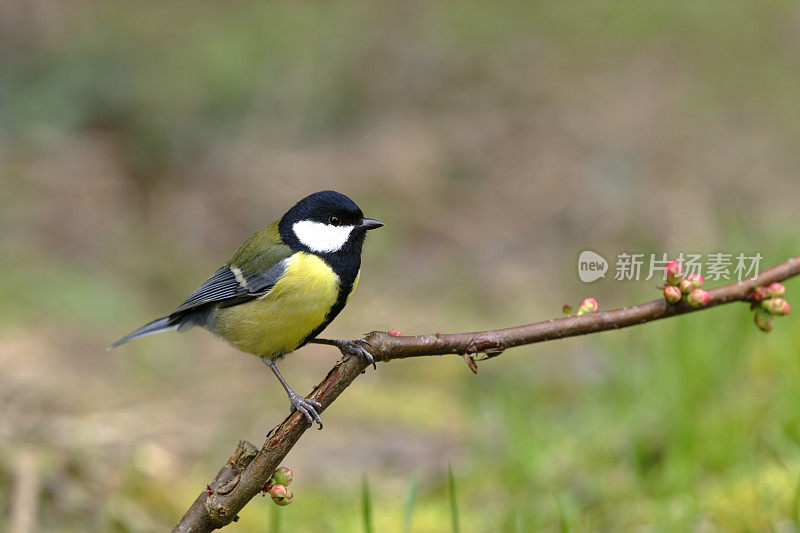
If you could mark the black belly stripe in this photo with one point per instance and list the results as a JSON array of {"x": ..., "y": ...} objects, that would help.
[
  {"x": 347, "y": 268},
  {"x": 341, "y": 300}
]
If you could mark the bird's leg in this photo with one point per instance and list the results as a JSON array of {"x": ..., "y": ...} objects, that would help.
[
  {"x": 304, "y": 405},
  {"x": 349, "y": 348}
]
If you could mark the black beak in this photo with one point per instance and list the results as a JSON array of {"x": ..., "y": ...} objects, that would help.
[{"x": 370, "y": 223}]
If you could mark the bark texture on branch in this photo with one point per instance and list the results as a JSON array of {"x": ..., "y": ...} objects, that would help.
[{"x": 239, "y": 481}]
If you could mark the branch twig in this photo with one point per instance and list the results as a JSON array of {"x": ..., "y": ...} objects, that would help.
[{"x": 239, "y": 481}]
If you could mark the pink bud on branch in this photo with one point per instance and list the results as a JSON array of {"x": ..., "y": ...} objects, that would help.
[
  {"x": 776, "y": 290},
  {"x": 281, "y": 476},
  {"x": 588, "y": 305},
  {"x": 281, "y": 495},
  {"x": 698, "y": 298},
  {"x": 776, "y": 306},
  {"x": 696, "y": 279},
  {"x": 673, "y": 272},
  {"x": 685, "y": 286},
  {"x": 672, "y": 294},
  {"x": 760, "y": 293}
]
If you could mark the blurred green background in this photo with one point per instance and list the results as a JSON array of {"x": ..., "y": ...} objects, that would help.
[{"x": 140, "y": 143}]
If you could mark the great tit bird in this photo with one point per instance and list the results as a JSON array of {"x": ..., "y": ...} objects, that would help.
[{"x": 282, "y": 287}]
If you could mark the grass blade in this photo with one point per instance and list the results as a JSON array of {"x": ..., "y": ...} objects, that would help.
[
  {"x": 796, "y": 506},
  {"x": 453, "y": 503},
  {"x": 411, "y": 501},
  {"x": 275, "y": 525},
  {"x": 366, "y": 505},
  {"x": 520, "y": 522},
  {"x": 563, "y": 521}
]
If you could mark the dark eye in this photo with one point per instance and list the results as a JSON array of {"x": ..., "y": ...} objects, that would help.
[{"x": 333, "y": 220}]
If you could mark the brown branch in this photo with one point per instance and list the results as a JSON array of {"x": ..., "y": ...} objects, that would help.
[
  {"x": 234, "y": 486},
  {"x": 227, "y": 477}
]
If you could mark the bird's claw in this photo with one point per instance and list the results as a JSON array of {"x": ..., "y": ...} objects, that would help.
[
  {"x": 307, "y": 407},
  {"x": 354, "y": 348}
]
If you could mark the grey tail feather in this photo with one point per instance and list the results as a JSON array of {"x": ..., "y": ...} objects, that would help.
[{"x": 156, "y": 326}]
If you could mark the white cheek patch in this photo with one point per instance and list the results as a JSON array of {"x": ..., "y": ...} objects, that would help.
[{"x": 321, "y": 237}]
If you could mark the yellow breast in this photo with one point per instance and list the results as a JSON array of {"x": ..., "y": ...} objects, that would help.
[{"x": 275, "y": 324}]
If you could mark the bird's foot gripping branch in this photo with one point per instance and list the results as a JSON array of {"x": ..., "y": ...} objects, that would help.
[
  {"x": 357, "y": 348},
  {"x": 248, "y": 470}
]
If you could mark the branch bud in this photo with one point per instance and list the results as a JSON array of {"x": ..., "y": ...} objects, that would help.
[
  {"x": 760, "y": 294},
  {"x": 673, "y": 272},
  {"x": 281, "y": 476},
  {"x": 588, "y": 305},
  {"x": 776, "y": 290},
  {"x": 696, "y": 278},
  {"x": 281, "y": 495},
  {"x": 776, "y": 306},
  {"x": 764, "y": 320},
  {"x": 698, "y": 298},
  {"x": 685, "y": 286},
  {"x": 672, "y": 294}
]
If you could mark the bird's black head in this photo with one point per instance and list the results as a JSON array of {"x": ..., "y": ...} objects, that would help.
[{"x": 326, "y": 223}]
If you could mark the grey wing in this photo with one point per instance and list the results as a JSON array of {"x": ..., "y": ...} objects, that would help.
[{"x": 229, "y": 286}]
